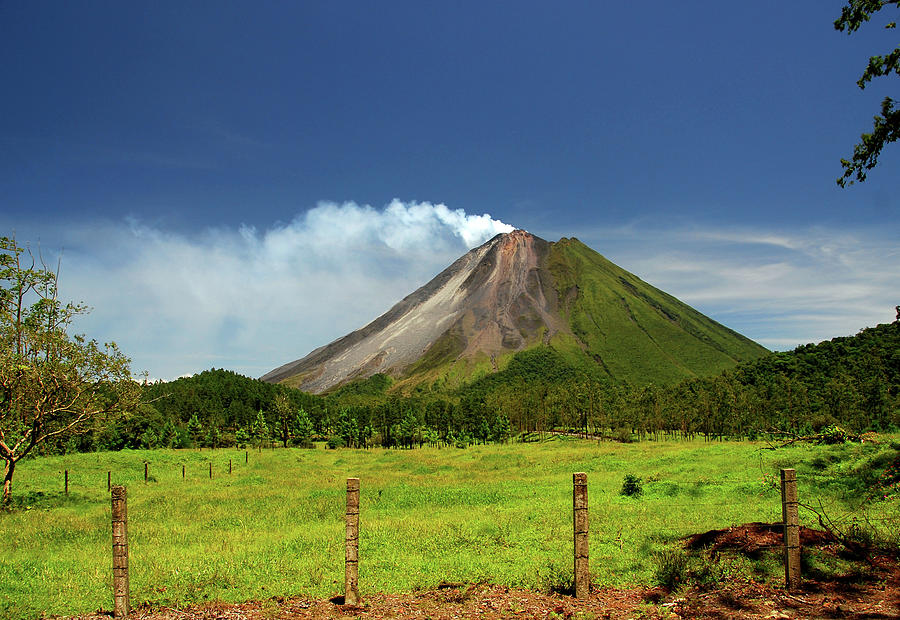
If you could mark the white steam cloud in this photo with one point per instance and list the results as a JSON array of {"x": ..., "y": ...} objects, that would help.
[{"x": 251, "y": 300}]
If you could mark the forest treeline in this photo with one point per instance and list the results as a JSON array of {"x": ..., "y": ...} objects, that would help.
[{"x": 852, "y": 382}]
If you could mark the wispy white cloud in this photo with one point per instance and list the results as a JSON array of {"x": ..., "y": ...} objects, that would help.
[{"x": 252, "y": 299}]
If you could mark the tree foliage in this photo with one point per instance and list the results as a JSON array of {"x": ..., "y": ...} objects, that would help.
[
  {"x": 886, "y": 125},
  {"x": 51, "y": 384},
  {"x": 236, "y": 406}
]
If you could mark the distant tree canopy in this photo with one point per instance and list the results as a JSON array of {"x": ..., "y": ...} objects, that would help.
[
  {"x": 212, "y": 409},
  {"x": 886, "y": 127},
  {"x": 851, "y": 381}
]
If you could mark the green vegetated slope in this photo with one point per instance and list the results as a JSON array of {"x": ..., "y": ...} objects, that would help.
[
  {"x": 850, "y": 380},
  {"x": 444, "y": 369},
  {"x": 497, "y": 513},
  {"x": 206, "y": 409},
  {"x": 635, "y": 332},
  {"x": 873, "y": 354}
]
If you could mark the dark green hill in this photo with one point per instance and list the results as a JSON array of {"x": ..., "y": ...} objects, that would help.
[
  {"x": 852, "y": 382},
  {"x": 221, "y": 397}
]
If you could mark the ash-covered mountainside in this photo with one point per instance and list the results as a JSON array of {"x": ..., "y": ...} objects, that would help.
[{"x": 516, "y": 292}]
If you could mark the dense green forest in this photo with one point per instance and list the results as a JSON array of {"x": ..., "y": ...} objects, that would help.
[{"x": 852, "y": 382}]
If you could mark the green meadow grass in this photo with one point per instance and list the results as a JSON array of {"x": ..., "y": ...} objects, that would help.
[{"x": 275, "y": 526}]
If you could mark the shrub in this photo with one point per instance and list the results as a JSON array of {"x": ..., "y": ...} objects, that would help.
[
  {"x": 242, "y": 438},
  {"x": 623, "y": 435},
  {"x": 835, "y": 434},
  {"x": 631, "y": 486},
  {"x": 671, "y": 568},
  {"x": 862, "y": 534},
  {"x": 558, "y": 578}
]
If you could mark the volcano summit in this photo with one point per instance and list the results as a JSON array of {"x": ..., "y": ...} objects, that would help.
[{"x": 516, "y": 292}]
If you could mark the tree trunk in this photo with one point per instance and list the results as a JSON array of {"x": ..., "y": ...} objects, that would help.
[{"x": 7, "y": 481}]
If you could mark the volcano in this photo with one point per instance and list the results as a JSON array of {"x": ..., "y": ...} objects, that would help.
[{"x": 516, "y": 292}]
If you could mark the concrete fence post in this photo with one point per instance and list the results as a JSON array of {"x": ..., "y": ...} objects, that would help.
[
  {"x": 121, "y": 596},
  {"x": 581, "y": 528},
  {"x": 790, "y": 514},
  {"x": 351, "y": 556}
]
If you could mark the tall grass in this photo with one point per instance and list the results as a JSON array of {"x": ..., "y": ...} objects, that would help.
[{"x": 274, "y": 527}]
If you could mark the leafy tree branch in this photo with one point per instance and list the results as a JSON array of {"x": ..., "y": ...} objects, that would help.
[{"x": 886, "y": 126}]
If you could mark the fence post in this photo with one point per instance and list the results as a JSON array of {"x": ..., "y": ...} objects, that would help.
[
  {"x": 210, "y": 470},
  {"x": 121, "y": 597},
  {"x": 246, "y": 457},
  {"x": 791, "y": 519},
  {"x": 146, "y": 471},
  {"x": 580, "y": 523},
  {"x": 182, "y": 471},
  {"x": 351, "y": 556},
  {"x": 108, "y": 481},
  {"x": 229, "y": 467}
]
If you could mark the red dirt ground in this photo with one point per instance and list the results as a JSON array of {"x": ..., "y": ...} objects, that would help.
[{"x": 871, "y": 593}]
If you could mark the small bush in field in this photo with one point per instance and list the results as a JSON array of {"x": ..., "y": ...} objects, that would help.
[
  {"x": 631, "y": 486},
  {"x": 671, "y": 568},
  {"x": 623, "y": 435}
]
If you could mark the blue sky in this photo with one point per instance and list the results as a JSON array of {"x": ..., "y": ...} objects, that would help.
[{"x": 207, "y": 168}]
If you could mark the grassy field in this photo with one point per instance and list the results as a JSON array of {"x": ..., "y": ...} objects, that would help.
[{"x": 274, "y": 526}]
